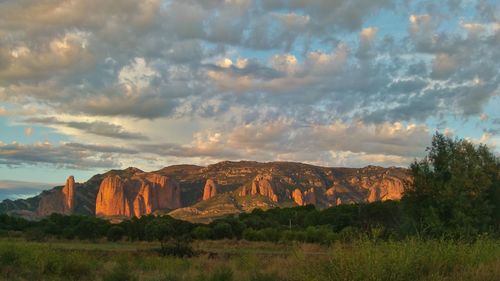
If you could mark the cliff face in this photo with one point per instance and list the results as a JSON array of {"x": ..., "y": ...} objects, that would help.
[
  {"x": 60, "y": 201},
  {"x": 264, "y": 185},
  {"x": 111, "y": 199},
  {"x": 139, "y": 195},
  {"x": 69, "y": 193},
  {"x": 297, "y": 197},
  {"x": 210, "y": 189}
]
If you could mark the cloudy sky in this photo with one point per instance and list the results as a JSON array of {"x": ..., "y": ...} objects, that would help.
[{"x": 86, "y": 86}]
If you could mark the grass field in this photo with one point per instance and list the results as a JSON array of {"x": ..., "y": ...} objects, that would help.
[{"x": 253, "y": 261}]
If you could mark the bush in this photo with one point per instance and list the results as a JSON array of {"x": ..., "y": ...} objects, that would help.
[
  {"x": 176, "y": 247},
  {"x": 270, "y": 234},
  {"x": 115, "y": 233},
  {"x": 222, "y": 230},
  {"x": 35, "y": 234},
  {"x": 202, "y": 233},
  {"x": 349, "y": 234}
]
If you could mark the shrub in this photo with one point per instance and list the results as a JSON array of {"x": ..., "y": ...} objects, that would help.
[
  {"x": 348, "y": 234},
  {"x": 202, "y": 233},
  {"x": 176, "y": 247},
  {"x": 35, "y": 234},
  {"x": 222, "y": 230},
  {"x": 115, "y": 233}
]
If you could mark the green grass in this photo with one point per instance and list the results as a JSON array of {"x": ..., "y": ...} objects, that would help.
[{"x": 253, "y": 261}]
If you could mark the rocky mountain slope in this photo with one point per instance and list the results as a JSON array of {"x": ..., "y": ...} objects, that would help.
[{"x": 199, "y": 193}]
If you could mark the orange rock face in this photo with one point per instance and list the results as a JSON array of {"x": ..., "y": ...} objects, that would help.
[
  {"x": 58, "y": 201},
  {"x": 310, "y": 196},
  {"x": 264, "y": 185},
  {"x": 389, "y": 188},
  {"x": 143, "y": 194},
  {"x": 111, "y": 199},
  {"x": 145, "y": 201},
  {"x": 166, "y": 191},
  {"x": 69, "y": 193},
  {"x": 210, "y": 189},
  {"x": 297, "y": 197}
]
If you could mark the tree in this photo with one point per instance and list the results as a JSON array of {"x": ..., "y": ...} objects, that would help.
[
  {"x": 455, "y": 189},
  {"x": 222, "y": 230},
  {"x": 202, "y": 232}
]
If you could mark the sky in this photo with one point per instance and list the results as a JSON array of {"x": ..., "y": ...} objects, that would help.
[{"x": 88, "y": 86}]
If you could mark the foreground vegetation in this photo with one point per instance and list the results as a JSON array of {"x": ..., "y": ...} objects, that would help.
[{"x": 409, "y": 259}]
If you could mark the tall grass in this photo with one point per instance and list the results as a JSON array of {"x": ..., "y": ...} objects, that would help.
[{"x": 360, "y": 260}]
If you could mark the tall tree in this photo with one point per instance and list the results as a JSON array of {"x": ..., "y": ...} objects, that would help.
[{"x": 456, "y": 189}]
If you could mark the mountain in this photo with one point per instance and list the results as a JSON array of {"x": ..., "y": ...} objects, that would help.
[{"x": 201, "y": 194}]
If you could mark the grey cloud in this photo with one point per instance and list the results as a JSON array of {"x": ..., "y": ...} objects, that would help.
[
  {"x": 325, "y": 13},
  {"x": 189, "y": 151},
  {"x": 67, "y": 155},
  {"x": 96, "y": 127}
]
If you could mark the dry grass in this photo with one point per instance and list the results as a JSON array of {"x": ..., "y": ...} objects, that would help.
[{"x": 253, "y": 261}]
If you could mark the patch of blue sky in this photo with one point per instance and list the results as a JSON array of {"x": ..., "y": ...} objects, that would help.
[
  {"x": 46, "y": 173},
  {"x": 389, "y": 22},
  {"x": 16, "y": 132}
]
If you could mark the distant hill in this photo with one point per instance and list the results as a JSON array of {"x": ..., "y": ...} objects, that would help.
[{"x": 198, "y": 193}]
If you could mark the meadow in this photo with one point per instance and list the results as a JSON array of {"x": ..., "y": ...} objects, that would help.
[{"x": 224, "y": 260}]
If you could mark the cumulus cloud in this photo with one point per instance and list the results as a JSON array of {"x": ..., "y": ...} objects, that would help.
[{"x": 321, "y": 144}]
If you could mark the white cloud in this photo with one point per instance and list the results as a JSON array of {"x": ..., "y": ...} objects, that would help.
[{"x": 136, "y": 76}]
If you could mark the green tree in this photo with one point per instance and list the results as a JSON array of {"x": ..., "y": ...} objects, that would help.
[
  {"x": 202, "y": 232},
  {"x": 222, "y": 230},
  {"x": 455, "y": 189}
]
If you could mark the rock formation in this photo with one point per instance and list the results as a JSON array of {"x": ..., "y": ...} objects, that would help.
[
  {"x": 297, "y": 197},
  {"x": 306, "y": 198},
  {"x": 69, "y": 193},
  {"x": 60, "y": 201},
  {"x": 389, "y": 188},
  {"x": 132, "y": 192},
  {"x": 145, "y": 202},
  {"x": 310, "y": 196},
  {"x": 166, "y": 191},
  {"x": 111, "y": 199},
  {"x": 210, "y": 189},
  {"x": 140, "y": 195},
  {"x": 264, "y": 185}
]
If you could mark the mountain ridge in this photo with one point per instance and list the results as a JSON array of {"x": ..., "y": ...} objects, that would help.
[{"x": 201, "y": 193}]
